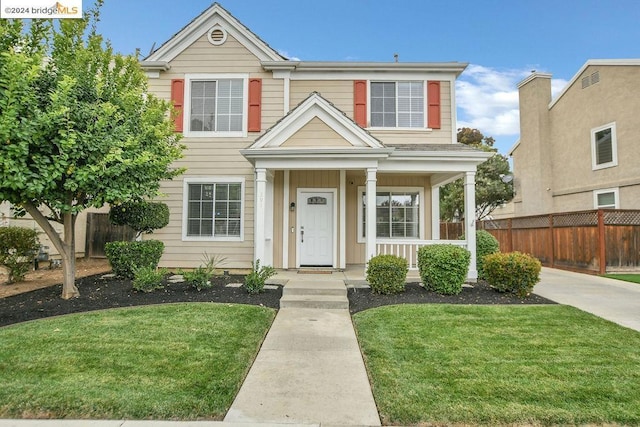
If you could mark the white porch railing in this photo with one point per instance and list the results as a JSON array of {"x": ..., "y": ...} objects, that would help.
[{"x": 408, "y": 249}]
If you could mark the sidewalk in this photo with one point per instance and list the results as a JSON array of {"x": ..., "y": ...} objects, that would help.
[
  {"x": 309, "y": 370},
  {"x": 611, "y": 299}
]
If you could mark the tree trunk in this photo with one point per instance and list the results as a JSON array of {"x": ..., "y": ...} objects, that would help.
[{"x": 66, "y": 248}]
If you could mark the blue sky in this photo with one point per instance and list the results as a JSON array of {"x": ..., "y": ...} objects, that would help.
[{"x": 502, "y": 40}]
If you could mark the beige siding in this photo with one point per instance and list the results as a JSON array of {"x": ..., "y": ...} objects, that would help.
[
  {"x": 316, "y": 133},
  {"x": 214, "y": 157},
  {"x": 338, "y": 92},
  {"x": 278, "y": 217}
]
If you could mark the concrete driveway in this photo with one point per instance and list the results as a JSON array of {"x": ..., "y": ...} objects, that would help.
[{"x": 611, "y": 299}]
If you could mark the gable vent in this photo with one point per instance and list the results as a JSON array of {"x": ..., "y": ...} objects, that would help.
[
  {"x": 595, "y": 77},
  {"x": 585, "y": 82},
  {"x": 217, "y": 35}
]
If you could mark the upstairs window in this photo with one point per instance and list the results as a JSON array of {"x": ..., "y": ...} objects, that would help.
[
  {"x": 397, "y": 104},
  {"x": 215, "y": 105},
  {"x": 604, "y": 147}
]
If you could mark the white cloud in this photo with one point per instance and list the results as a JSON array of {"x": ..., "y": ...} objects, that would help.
[{"x": 487, "y": 99}]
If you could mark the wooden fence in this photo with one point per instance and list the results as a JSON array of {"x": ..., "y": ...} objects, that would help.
[
  {"x": 451, "y": 230},
  {"x": 100, "y": 231},
  {"x": 595, "y": 241}
]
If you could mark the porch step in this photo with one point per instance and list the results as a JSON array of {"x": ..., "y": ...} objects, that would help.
[
  {"x": 323, "y": 294},
  {"x": 326, "y": 302}
]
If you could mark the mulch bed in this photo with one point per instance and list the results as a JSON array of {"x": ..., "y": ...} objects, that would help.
[
  {"x": 480, "y": 293},
  {"x": 97, "y": 293}
]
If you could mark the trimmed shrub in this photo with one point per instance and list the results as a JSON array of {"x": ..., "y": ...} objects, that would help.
[
  {"x": 443, "y": 268},
  {"x": 255, "y": 280},
  {"x": 512, "y": 272},
  {"x": 387, "y": 274},
  {"x": 142, "y": 216},
  {"x": 147, "y": 279},
  {"x": 18, "y": 247},
  {"x": 485, "y": 244},
  {"x": 127, "y": 257}
]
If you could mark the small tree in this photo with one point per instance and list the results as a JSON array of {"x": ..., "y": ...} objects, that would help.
[
  {"x": 77, "y": 126},
  {"x": 491, "y": 189},
  {"x": 141, "y": 216}
]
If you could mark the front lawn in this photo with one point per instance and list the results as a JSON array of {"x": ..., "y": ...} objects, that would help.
[
  {"x": 493, "y": 365},
  {"x": 634, "y": 278},
  {"x": 176, "y": 361}
]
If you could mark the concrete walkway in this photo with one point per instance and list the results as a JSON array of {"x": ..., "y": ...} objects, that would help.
[
  {"x": 308, "y": 371},
  {"x": 611, "y": 299}
]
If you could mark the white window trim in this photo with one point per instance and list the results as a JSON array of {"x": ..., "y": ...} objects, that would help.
[
  {"x": 421, "y": 211},
  {"x": 395, "y": 129},
  {"x": 185, "y": 207},
  {"x": 616, "y": 196},
  {"x": 188, "y": 78},
  {"x": 614, "y": 147}
]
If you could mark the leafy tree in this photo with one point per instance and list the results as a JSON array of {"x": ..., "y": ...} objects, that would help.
[
  {"x": 491, "y": 190},
  {"x": 77, "y": 127}
]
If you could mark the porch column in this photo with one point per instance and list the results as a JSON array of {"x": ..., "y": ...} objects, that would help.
[
  {"x": 470, "y": 221},
  {"x": 371, "y": 214},
  {"x": 259, "y": 214},
  {"x": 435, "y": 213}
]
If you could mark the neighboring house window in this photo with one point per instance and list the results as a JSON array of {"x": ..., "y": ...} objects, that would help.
[
  {"x": 604, "y": 151},
  {"x": 398, "y": 213},
  {"x": 606, "y": 199},
  {"x": 397, "y": 104},
  {"x": 213, "y": 209},
  {"x": 216, "y": 105}
]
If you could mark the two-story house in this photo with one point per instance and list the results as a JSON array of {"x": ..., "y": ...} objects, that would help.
[
  {"x": 579, "y": 151},
  {"x": 300, "y": 163}
]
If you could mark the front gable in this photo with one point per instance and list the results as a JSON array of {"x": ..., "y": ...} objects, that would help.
[
  {"x": 215, "y": 25},
  {"x": 312, "y": 115},
  {"x": 316, "y": 133}
]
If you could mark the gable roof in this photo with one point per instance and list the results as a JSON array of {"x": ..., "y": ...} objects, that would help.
[
  {"x": 200, "y": 25},
  {"x": 316, "y": 106},
  {"x": 594, "y": 62}
]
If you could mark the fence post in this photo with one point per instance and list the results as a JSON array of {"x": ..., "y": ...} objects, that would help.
[
  {"x": 509, "y": 235},
  {"x": 602, "y": 251}
]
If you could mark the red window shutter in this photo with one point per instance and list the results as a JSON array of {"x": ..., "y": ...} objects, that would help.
[
  {"x": 433, "y": 104},
  {"x": 360, "y": 102},
  {"x": 177, "y": 97},
  {"x": 254, "y": 122}
]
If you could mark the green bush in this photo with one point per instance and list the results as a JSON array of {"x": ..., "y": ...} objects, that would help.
[
  {"x": 200, "y": 278},
  {"x": 513, "y": 272},
  {"x": 18, "y": 247},
  {"x": 443, "y": 268},
  {"x": 142, "y": 216},
  {"x": 255, "y": 280},
  {"x": 485, "y": 244},
  {"x": 387, "y": 274},
  {"x": 147, "y": 279},
  {"x": 126, "y": 257}
]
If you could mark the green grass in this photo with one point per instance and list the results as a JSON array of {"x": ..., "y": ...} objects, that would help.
[
  {"x": 494, "y": 365},
  {"x": 634, "y": 278},
  {"x": 177, "y": 361}
]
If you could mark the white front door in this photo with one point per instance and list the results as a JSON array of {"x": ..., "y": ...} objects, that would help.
[{"x": 315, "y": 228}]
